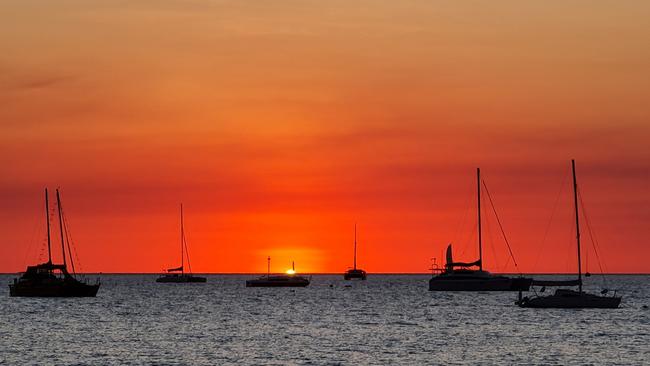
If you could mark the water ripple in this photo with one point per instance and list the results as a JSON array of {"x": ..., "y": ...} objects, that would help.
[{"x": 385, "y": 320}]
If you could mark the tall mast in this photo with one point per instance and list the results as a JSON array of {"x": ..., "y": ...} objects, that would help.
[
  {"x": 182, "y": 240},
  {"x": 478, "y": 201},
  {"x": 575, "y": 203},
  {"x": 268, "y": 267},
  {"x": 47, "y": 219},
  {"x": 58, "y": 205},
  {"x": 355, "y": 246}
]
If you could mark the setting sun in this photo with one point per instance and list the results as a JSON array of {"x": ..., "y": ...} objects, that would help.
[{"x": 291, "y": 271}]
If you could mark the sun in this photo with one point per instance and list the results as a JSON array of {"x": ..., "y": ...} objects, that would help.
[{"x": 290, "y": 271}]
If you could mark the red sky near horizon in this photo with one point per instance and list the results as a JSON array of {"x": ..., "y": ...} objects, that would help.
[{"x": 281, "y": 124}]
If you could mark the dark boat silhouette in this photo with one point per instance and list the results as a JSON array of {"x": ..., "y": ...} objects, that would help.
[
  {"x": 49, "y": 279},
  {"x": 565, "y": 298},
  {"x": 354, "y": 272},
  {"x": 279, "y": 280},
  {"x": 461, "y": 276},
  {"x": 178, "y": 274}
]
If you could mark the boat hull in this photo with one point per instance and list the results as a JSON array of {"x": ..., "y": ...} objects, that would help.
[
  {"x": 276, "y": 284},
  {"x": 479, "y": 284},
  {"x": 262, "y": 283},
  {"x": 62, "y": 289},
  {"x": 355, "y": 275},
  {"x": 181, "y": 279},
  {"x": 574, "y": 300}
]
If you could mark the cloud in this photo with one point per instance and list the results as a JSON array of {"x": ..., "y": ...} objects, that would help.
[
  {"x": 43, "y": 82},
  {"x": 31, "y": 80}
]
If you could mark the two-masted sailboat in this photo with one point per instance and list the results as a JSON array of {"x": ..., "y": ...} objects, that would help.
[
  {"x": 461, "y": 276},
  {"x": 291, "y": 279},
  {"x": 178, "y": 274},
  {"x": 354, "y": 272},
  {"x": 565, "y": 298},
  {"x": 49, "y": 279}
]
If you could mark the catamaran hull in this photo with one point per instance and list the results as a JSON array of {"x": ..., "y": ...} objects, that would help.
[
  {"x": 493, "y": 284},
  {"x": 193, "y": 279},
  {"x": 255, "y": 283},
  {"x": 354, "y": 274},
  {"x": 557, "y": 302},
  {"x": 65, "y": 290},
  {"x": 348, "y": 277}
]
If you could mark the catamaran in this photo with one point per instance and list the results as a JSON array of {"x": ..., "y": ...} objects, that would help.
[
  {"x": 291, "y": 279},
  {"x": 178, "y": 274},
  {"x": 354, "y": 272},
  {"x": 565, "y": 298},
  {"x": 462, "y": 276},
  {"x": 49, "y": 279}
]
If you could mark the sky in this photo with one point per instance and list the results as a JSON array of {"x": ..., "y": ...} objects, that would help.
[{"x": 281, "y": 124}]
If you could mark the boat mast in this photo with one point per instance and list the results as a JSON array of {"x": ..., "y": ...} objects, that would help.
[
  {"x": 47, "y": 219},
  {"x": 478, "y": 201},
  {"x": 58, "y": 205},
  {"x": 268, "y": 267},
  {"x": 355, "y": 246},
  {"x": 575, "y": 202},
  {"x": 182, "y": 241}
]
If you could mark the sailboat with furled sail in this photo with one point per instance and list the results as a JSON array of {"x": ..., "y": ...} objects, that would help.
[
  {"x": 290, "y": 279},
  {"x": 470, "y": 276},
  {"x": 178, "y": 274},
  {"x": 49, "y": 279},
  {"x": 354, "y": 272},
  {"x": 565, "y": 298}
]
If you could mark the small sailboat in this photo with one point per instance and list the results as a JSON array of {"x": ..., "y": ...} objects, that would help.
[
  {"x": 565, "y": 298},
  {"x": 49, "y": 279},
  {"x": 461, "y": 276},
  {"x": 354, "y": 272},
  {"x": 291, "y": 279},
  {"x": 178, "y": 274}
]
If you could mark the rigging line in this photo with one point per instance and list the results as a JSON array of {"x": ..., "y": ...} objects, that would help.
[
  {"x": 72, "y": 249},
  {"x": 32, "y": 239},
  {"x": 51, "y": 216},
  {"x": 550, "y": 221},
  {"x": 569, "y": 252},
  {"x": 591, "y": 236},
  {"x": 490, "y": 238},
  {"x": 500, "y": 226},
  {"x": 187, "y": 252},
  {"x": 462, "y": 222},
  {"x": 470, "y": 239},
  {"x": 68, "y": 237}
]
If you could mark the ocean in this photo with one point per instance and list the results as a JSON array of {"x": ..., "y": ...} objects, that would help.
[{"x": 386, "y": 320}]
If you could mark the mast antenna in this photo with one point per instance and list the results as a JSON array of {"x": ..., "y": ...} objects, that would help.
[
  {"x": 58, "y": 205},
  {"x": 355, "y": 246},
  {"x": 182, "y": 241},
  {"x": 47, "y": 219},
  {"x": 478, "y": 201},
  {"x": 575, "y": 203}
]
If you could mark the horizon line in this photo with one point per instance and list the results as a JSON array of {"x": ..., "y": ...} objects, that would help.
[{"x": 341, "y": 273}]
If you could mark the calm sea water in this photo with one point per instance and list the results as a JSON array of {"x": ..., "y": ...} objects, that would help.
[{"x": 386, "y": 320}]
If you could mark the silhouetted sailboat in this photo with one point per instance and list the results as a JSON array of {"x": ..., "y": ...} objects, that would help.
[
  {"x": 49, "y": 279},
  {"x": 460, "y": 276},
  {"x": 178, "y": 274},
  {"x": 564, "y": 298},
  {"x": 279, "y": 280},
  {"x": 355, "y": 273}
]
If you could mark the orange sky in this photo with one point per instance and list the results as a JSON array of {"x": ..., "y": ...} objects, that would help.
[{"x": 279, "y": 124}]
